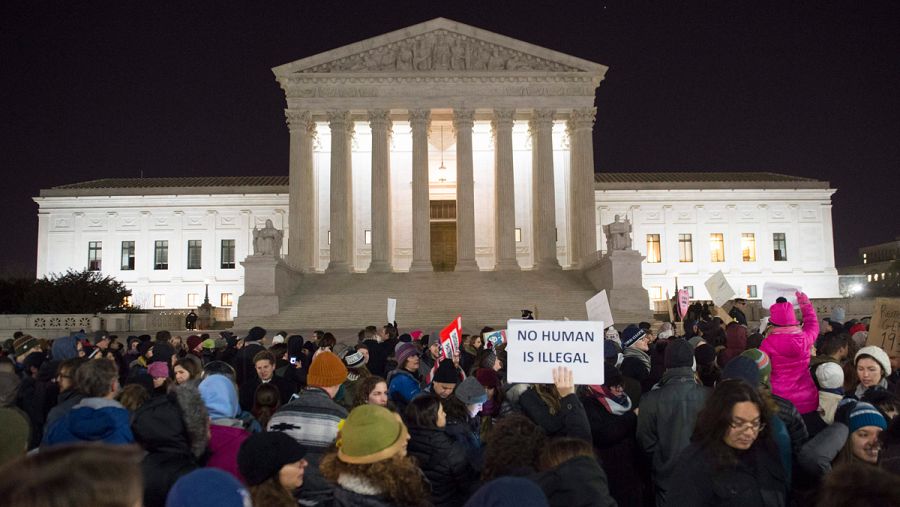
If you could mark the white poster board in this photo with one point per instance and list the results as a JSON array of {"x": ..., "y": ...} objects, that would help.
[
  {"x": 536, "y": 347},
  {"x": 391, "y": 310},
  {"x": 774, "y": 290},
  {"x": 719, "y": 289},
  {"x": 598, "y": 309}
]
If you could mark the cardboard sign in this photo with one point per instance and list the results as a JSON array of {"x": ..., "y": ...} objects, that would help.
[
  {"x": 391, "y": 310},
  {"x": 494, "y": 339},
  {"x": 537, "y": 347},
  {"x": 684, "y": 301},
  {"x": 775, "y": 290},
  {"x": 598, "y": 308},
  {"x": 719, "y": 290},
  {"x": 885, "y": 326},
  {"x": 450, "y": 338},
  {"x": 763, "y": 324}
]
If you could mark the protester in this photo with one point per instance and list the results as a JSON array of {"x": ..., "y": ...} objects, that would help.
[
  {"x": 735, "y": 343},
  {"x": 356, "y": 374},
  {"x": 873, "y": 367},
  {"x": 404, "y": 382},
  {"x": 264, "y": 364},
  {"x": 274, "y": 467},
  {"x": 555, "y": 408},
  {"x": 509, "y": 492},
  {"x": 207, "y": 487},
  {"x": 570, "y": 475},
  {"x": 243, "y": 360},
  {"x": 266, "y": 401},
  {"x": 829, "y": 379},
  {"x": 69, "y": 394},
  {"x": 372, "y": 390},
  {"x": 496, "y": 405},
  {"x": 226, "y": 431},
  {"x": 16, "y": 433},
  {"x": 187, "y": 368},
  {"x": 636, "y": 364}
]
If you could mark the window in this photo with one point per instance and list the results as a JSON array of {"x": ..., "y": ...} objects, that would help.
[
  {"x": 367, "y": 237},
  {"x": 193, "y": 300},
  {"x": 869, "y": 277},
  {"x": 656, "y": 293},
  {"x": 161, "y": 254},
  {"x": 226, "y": 299},
  {"x": 751, "y": 291},
  {"x": 717, "y": 247},
  {"x": 685, "y": 248},
  {"x": 159, "y": 300},
  {"x": 127, "y": 256},
  {"x": 227, "y": 254},
  {"x": 195, "y": 247},
  {"x": 518, "y": 234},
  {"x": 690, "y": 290},
  {"x": 329, "y": 237},
  {"x": 748, "y": 247},
  {"x": 95, "y": 255},
  {"x": 864, "y": 258},
  {"x": 653, "y": 250},
  {"x": 779, "y": 246}
]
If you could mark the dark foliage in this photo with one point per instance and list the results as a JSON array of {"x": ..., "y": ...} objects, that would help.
[{"x": 71, "y": 292}]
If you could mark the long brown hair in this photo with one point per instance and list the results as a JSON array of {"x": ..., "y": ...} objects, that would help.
[
  {"x": 271, "y": 493},
  {"x": 395, "y": 477},
  {"x": 714, "y": 420},
  {"x": 266, "y": 401}
]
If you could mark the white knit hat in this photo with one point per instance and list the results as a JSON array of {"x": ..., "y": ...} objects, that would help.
[
  {"x": 876, "y": 353},
  {"x": 830, "y": 375}
]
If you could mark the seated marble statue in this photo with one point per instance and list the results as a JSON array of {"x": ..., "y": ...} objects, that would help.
[
  {"x": 618, "y": 235},
  {"x": 267, "y": 241}
]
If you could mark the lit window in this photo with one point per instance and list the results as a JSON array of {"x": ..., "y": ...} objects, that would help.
[
  {"x": 161, "y": 254},
  {"x": 779, "y": 246},
  {"x": 95, "y": 255},
  {"x": 518, "y": 234},
  {"x": 227, "y": 254},
  {"x": 685, "y": 248},
  {"x": 869, "y": 277},
  {"x": 876, "y": 277},
  {"x": 193, "y": 300},
  {"x": 690, "y": 290},
  {"x": 864, "y": 258},
  {"x": 748, "y": 247},
  {"x": 226, "y": 299},
  {"x": 653, "y": 249},
  {"x": 159, "y": 300},
  {"x": 127, "y": 256},
  {"x": 882, "y": 276},
  {"x": 717, "y": 247},
  {"x": 656, "y": 293},
  {"x": 195, "y": 249},
  {"x": 367, "y": 237},
  {"x": 329, "y": 237},
  {"x": 751, "y": 291}
]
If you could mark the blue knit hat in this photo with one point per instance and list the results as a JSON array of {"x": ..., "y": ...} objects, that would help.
[
  {"x": 208, "y": 487},
  {"x": 864, "y": 414},
  {"x": 632, "y": 334}
]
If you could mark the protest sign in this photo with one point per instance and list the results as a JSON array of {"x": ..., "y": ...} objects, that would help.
[
  {"x": 536, "y": 347},
  {"x": 450, "y": 338},
  {"x": 598, "y": 309},
  {"x": 885, "y": 325},
  {"x": 775, "y": 290},
  {"x": 684, "y": 301},
  {"x": 669, "y": 308},
  {"x": 493, "y": 339},
  {"x": 763, "y": 324},
  {"x": 391, "y": 309},
  {"x": 722, "y": 314},
  {"x": 719, "y": 290}
]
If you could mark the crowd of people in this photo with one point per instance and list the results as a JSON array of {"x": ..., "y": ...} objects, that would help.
[{"x": 802, "y": 413}]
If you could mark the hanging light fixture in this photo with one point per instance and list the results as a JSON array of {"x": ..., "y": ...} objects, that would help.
[{"x": 442, "y": 178}]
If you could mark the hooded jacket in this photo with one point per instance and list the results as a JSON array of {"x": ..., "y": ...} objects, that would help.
[
  {"x": 735, "y": 343},
  {"x": 64, "y": 348},
  {"x": 92, "y": 420},
  {"x": 226, "y": 432},
  {"x": 443, "y": 460},
  {"x": 789, "y": 350},
  {"x": 579, "y": 482},
  {"x": 615, "y": 444}
]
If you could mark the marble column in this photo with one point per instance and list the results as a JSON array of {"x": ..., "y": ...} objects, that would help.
[
  {"x": 504, "y": 192},
  {"x": 583, "y": 228},
  {"x": 542, "y": 190},
  {"x": 302, "y": 230},
  {"x": 380, "y": 122},
  {"x": 463, "y": 120},
  {"x": 420, "y": 120},
  {"x": 341, "y": 212}
]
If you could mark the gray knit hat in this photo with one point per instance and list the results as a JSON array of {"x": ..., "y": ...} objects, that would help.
[{"x": 470, "y": 391}]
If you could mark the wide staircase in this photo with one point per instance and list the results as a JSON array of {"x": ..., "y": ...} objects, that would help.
[{"x": 431, "y": 300}]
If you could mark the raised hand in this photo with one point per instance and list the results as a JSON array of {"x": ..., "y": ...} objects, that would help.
[
  {"x": 802, "y": 298},
  {"x": 564, "y": 381}
]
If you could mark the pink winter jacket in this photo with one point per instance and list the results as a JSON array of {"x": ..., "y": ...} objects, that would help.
[
  {"x": 224, "y": 444},
  {"x": 789, "y": 350}
]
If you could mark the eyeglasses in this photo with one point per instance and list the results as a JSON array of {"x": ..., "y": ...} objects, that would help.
[{"x": 755, "y": 427}]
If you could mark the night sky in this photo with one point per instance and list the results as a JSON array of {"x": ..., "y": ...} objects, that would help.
[{"x": 113, "y": 89}]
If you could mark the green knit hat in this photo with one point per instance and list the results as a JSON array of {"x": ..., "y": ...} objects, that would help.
[
  {"x": 15, "y": 434},
  {"x": 371, "y": 433},
  {"x": 208, "y": 343},
  {"x": 762, "y": 362}
]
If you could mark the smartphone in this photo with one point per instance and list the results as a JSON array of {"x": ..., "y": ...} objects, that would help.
[
  {"x": 293, "y": 360},
  {"x": 94, "y": 353}
]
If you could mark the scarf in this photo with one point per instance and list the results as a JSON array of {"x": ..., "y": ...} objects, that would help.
[
  {"x": 615, "y": 405},
  {"x": 639, "y": 354},
  {"x": 861, "y": 389}
]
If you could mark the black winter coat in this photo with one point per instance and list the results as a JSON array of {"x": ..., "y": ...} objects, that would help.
[
  {"x": 757, "y": 479},
  {"x": 615, "y": 444},
  {"x": 444, "y": 462},
  {"x": 570, "y": 421},
  {"x": 243, "y": 362},
  {"x": 579, "y": 482}
]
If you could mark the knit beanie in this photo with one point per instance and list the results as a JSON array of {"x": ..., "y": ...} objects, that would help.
[
  {"x": 193, "y": 341},
  {"x": 403, "y": 351},
  {"x": 446, "y": 373},
  {"x": 162, "y": 351},
  {"x": 855, "y": 328},
  {"x": 489, "y": 360},
  {"x": 830, "y": 375},
  {"x": 371, "y": 433},
  {"x": 509, "y": 492},
  {"x": 16, "y": 431},
  {"x": 143, "y": 347},
  {"x": 470, "y": 392},
  {"x": 878, "y": 354},
  {"x": 158, "y": 369},
  {"x": 864, "y": 414},
  {"x": 25, "y": 344},
  {"x": 354, "y": 360},
  {"x": 255, "y": 334},
  {"x": 277, "y": 339},
  {"x": 631, "y": 334},
  {"x": 610, "y": 350},
  {"x": 704, "y": 354},
  {"x": 743, "y": 368},
  {"x": 405, "y": 338},
  {"x": 782, "y": 314},
  {"x": 678, "y": 354},
  {"x": 762, "y": 363},
  {"x": 263, "y": 454},
  {"x": 665, "y": 331},
  {"x": 208, "y": 487},
  {"x": 434, "y": 338},
  {"x": 487, "y": 377},
  {"x": 838, "y": 314},
  {"x": 326, "y": 370},
  {"x": 208, "y": 344}
]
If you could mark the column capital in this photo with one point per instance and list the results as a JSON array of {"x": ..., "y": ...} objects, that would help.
[
  {"x": 503, "y": 118},
  {"x": 380, "y": 118},
  {"x": 581, "y": 119},
  {"x": 300, "y": 120},
  {"x": 419, "y": 118},
  {"x": 340, "y": 120},
  {"x": 463, "y": 119},
  {"x": 541, "y": 119}
]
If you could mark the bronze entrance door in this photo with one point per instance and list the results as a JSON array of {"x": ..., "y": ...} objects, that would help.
[{"x": 443, "y": 246}]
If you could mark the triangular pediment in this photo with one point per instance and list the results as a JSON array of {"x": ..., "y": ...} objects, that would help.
[{"x": 439, "y": 46}]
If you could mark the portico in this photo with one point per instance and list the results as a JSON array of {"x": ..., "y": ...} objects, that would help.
[{"x": 371, "y": 121}]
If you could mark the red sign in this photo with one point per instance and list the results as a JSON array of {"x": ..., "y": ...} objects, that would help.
[
  {"x": 450, "y": 338},
  {"x": 684, "y": 300}
]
